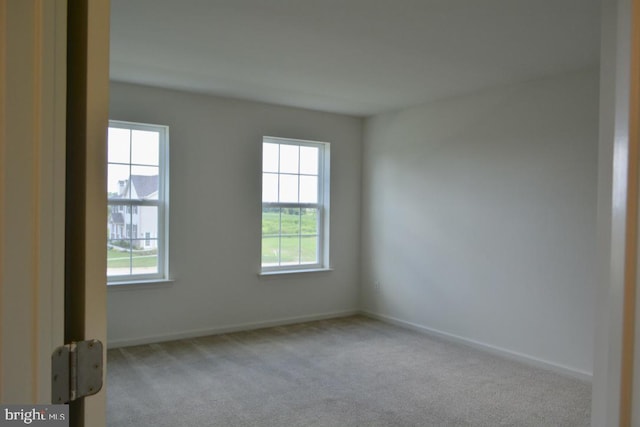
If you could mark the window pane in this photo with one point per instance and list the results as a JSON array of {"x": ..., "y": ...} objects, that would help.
[
  {"x": 118, "y": 177},
  {"x": 144, "y": 256},
  {"x": 289, "y": 158},
  {"x": 309, "y": 245},
  {"x": 146, "y": 223},
  {"x": 270, "y": 221},
  {"x": 289, "y": 188},
  {"x": 145, "y": 147},
  {"x": 116, "y": 222},
  {"x": 289, "y": 250},
  {"x": 269, "y": 187},
  {"x": 269, "y": 157},
  {"x": 118, "y": 258},
  {"x": 290, "y": 220},
  {"x": 270, "y": 251},
  {"x": 308, "y": 189},
  {"x": 309, "y": 160},
  {"x": 144, "y": 182},
  {"x": 118, "y": 143},
  {"x": 309, "y": 220}
]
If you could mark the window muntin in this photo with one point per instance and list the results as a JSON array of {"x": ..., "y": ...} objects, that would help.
[
  {"x": 137, "y": 234},
  {"x": 295, "y": 188}
]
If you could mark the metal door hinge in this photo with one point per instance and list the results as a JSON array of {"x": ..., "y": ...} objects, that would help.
[{"x": 76, "y": 371}]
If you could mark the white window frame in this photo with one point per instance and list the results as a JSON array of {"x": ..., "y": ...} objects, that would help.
[
  {"x": 162, "y": 203},
  {"x": 323, "y": 206}
]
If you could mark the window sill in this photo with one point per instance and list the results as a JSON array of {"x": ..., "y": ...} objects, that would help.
[
  {"x": 267, "y": 274},
  {"x": 139, "y": 284}
]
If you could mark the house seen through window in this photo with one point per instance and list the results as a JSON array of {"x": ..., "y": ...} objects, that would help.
[
  {"x": 138, "y": 204},
  {"x": 295, "y": 200}
]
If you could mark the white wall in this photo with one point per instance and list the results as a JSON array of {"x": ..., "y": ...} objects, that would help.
[
  {"x": 215, "y": 148},
  {"x": 479, "y": 218}
]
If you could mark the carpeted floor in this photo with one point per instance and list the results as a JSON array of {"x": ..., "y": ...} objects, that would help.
[{"x": 339, "y": 373}]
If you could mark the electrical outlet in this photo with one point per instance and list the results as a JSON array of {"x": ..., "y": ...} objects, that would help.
[{"x": 376, "y": 286}]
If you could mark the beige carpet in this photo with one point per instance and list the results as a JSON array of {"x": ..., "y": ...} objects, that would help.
[{"x": 339, "y": 373}]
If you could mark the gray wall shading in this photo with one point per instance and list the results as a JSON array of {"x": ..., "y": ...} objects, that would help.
[{"x": 479, "y": 218}]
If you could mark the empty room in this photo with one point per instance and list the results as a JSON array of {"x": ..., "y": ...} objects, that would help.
[
  {"x": 352, "y": 213},
  {"x": 319, "y": 212}
]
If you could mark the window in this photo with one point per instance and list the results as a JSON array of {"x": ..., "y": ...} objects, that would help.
[
  {"x": 295, "y": 201},
  {"x": 138, "y": 202}
]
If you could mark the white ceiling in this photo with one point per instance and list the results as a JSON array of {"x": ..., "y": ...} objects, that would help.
[{"x": 357, "y": 57}]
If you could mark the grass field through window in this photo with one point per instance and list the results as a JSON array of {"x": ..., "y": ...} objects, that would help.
[
  {"x": 289, "y": 236},
  {"x": 123, "y": 259}
]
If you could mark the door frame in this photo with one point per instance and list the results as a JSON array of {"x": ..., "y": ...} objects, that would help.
[
  {"x": 618, "y": 195},
  {"x": 32, "y": 165},
  {"x": 86, "y": 187},
  {"x": 38, "y": 124}
]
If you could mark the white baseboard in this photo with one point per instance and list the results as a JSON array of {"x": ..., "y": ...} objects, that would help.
[
  {"x": 173, "y": 336},
  {"x": 585, "y": 376}
]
